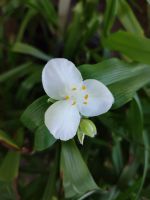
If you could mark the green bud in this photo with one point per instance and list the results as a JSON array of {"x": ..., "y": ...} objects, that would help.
[
  {"x": 81, "y": 136},
  {"x": 87, "y": 127},
  {"x": 50, "y": 100}
]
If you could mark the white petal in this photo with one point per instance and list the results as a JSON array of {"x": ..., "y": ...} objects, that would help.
[
  {"x": 99, "y": 101},
  {"x": 62, "y": 120},
  {"x": 58, "y": 76}
]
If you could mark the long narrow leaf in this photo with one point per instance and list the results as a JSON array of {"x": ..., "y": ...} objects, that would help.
[
  {"x": 30, "y": 50},
  {"x": 123, "y": 79},
  {"x": 128, "y": 19},
  {"x": 77, "y": 179},
  {"x": 135, "y": 47}
]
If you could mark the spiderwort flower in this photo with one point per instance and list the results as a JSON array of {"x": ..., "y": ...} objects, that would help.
[{"x": 62, "y": 81}]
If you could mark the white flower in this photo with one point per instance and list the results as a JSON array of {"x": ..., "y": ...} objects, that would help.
[{"x": 62, "y": 81}]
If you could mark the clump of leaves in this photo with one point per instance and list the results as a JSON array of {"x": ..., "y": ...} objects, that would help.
[{"x": 109, "y": 36}]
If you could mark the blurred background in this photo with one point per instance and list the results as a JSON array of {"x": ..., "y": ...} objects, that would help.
[{"x": 113, "y": 33}]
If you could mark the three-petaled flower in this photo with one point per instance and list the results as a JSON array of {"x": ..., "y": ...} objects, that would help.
[{"x": 62, "y": 81}]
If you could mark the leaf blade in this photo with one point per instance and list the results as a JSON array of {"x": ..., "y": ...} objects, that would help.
[
  {"x": 33, "y": 119},
  {"x": 71, "y": 164},
  {"x": 27, "y": 49},
  {"x": 122, "y": 78},
  {"x": 135, "y": 47}
]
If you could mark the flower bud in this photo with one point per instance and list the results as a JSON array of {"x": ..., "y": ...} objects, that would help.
[
  {"x": 81, "y": 136},
  {"x": 87, "y": 127}
]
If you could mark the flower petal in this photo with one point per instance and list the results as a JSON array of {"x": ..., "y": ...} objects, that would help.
[
  {"x": 62, "y": 120},
  {"x": 58, "y": 75},
  {"x": 99, "y": 101}
]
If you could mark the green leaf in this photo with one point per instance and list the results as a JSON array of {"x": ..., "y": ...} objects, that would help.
[
  {"x": 73, "y": 37},
  {"x": 33, "y": 116},
  {"x": 146, "y": 162},
  {"x": 9, "y": 167},
  {"x": 117, "y": 157},
  {"x": 27, "y": 18},
  {"x": 135, "y": 47},
  {"x": 128, "y": 19},
  {"x": 139, "y": 141},
  {"x": 135, "y": 121},
  {"x": 4, "y": 138},
  {"x": 111, "y": 70},
  {"x": 46, "y": 9},
  {"x": 125, "y": 14},
  {"x": 28, "y": 84},
  {"x": 91, "y": 27},
  {"x": 30, "y": 50},
  {"x": 110, "y": 15},
  {"x": 128, "y": 173},
  {"x": 77, "y": 179},
  {"x": 16, "y": 72},
  {"x": 139, "y": 137},
  {"x": 123, "y": 79},
  {"x": 33, "y": 119},
  {"x": 43, "y": 138},
  {"x": 124, "y": 90},
  {"x": 51, "y": 181}
]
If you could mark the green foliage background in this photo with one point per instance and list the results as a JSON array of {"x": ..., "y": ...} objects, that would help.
[{"x": 108, "y": 41}]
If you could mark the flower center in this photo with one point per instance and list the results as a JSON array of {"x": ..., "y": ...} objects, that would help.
[{"x": 78, "y": 95}]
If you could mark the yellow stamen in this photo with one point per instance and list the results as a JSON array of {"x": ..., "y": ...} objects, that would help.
[
  {"x": 74, "y": 88},
  {"x": 67, "y": 97},
  {"x": 85, "y": 102},
  {"x": 86, "y": 96},
  {"x": 74, "y": 103},
  {"x": 83, "y": 87}
]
